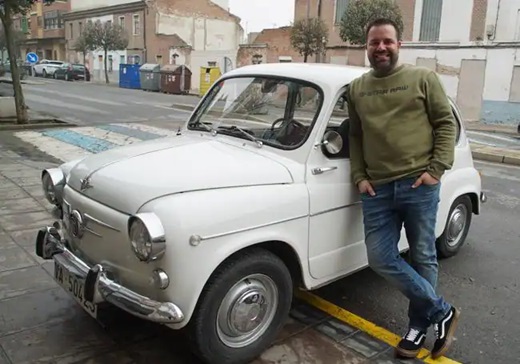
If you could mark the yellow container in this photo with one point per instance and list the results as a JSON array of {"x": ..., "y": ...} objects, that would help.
[{"x": 208, "y": 75}]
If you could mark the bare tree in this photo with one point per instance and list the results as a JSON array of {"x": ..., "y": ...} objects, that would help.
[
  {"x": 309, "y": 37},
  {"x": 8, "y": 9},
  {"x": 107, "y": 37}
]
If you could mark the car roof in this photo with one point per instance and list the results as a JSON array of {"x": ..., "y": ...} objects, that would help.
[{"x": 323, "y": 74}]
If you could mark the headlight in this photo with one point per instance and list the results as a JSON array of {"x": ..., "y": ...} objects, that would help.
[
  {"x": 147, "y": 236},
  {"x": 53, "y": 181}
]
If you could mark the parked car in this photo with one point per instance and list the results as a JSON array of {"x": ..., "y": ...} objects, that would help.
[
  {"x": 72, "y": 71},
  {"x": 46, "y": 67},
  {"x": 211, "y": 230}
]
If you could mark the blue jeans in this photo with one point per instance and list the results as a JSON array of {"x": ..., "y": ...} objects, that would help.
[{"x": 384, "y": 214}]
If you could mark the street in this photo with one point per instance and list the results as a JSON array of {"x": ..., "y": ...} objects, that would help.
[{"x": 483, "y": 280}]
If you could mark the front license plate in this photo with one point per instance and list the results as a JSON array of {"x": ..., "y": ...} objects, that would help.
[{"x": 75, "y": 286}]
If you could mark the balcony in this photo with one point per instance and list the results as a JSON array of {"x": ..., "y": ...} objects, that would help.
[{"x": 54, "y": 33}]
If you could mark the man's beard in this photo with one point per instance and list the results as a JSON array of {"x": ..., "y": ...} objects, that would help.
[{"x": 383, "y": 62}]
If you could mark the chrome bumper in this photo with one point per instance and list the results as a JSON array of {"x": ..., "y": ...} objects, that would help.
[{"x": 98, "y": 287}]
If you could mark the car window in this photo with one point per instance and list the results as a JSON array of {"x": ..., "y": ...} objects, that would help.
[
  {"x": 339, "y": 122},
  {"x": 55, "y": 62},
  {"x": 78, "y": 67}
]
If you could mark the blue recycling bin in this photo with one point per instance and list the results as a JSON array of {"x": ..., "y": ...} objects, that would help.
[{"x": 129, "y": 76}]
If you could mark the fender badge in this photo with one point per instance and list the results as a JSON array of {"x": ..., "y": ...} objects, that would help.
[{"x": 85, "y": 184}]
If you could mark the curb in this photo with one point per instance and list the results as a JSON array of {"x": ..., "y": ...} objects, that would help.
[
  {"x": 43, "y": 124},
  {"x": 496, "y": 158}
]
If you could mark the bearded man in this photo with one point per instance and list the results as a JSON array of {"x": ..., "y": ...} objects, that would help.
[{"x": 402, "y": 139}]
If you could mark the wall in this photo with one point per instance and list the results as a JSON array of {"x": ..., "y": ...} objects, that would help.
[
  {"x": 200, "y": 33},
  {"x": 507, "y": 25},
  {"x": 77, "y": 5}
]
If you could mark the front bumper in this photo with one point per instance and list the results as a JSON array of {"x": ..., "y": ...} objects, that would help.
[{"x": 98, "y": 287}]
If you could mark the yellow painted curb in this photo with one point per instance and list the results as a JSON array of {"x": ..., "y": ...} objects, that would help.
[{"x": 365, "y": 326}]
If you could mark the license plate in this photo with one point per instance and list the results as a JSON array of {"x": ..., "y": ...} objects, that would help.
[{"x": 75, "y": 286}]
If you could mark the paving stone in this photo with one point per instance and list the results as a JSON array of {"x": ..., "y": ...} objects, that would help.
[
  {"x": 114, "y": 357},
  {"x": 21, "y": 172},
  {"x": 24, "y": 238},
  {"x": 23, "y": 205},
  {"x": 22, "y": 281},
  {"x": 388, "y": 357},
  {"x": 31, "y": 220},
  {"x": 36, "y": 192},
  {"x": 335, "y": 329},
  {"x": 27, "y": 181},
  {"x": 12, "y": 193},
  {"x": 291, "y": 327},
  {"x": 168, "y": 347},
  {"x": 3, "y": 357},
  {"x": 5, "y": 183},
  {"x": 365, "y": 345},
  {"x": 14, "y": 257},
  {"x": 35, "y": 309},
  {"x": 65, "y": 342},
  {"x": 309, "y": 347},
  {"x": 307, "y": 314}
]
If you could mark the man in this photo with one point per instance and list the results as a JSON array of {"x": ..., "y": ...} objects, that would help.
[{"x": 402, "y": 138}]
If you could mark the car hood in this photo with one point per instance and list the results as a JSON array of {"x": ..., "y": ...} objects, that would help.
[{"x": 125, "y": 178}]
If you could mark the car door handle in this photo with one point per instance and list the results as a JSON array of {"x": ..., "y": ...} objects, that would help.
[{"x": 321, "y": 170}]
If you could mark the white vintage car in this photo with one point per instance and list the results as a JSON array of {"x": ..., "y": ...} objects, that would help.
[{"x": 211, "y": 230}]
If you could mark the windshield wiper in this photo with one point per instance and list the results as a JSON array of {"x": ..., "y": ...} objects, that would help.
[
  {"x": 243, "y": 132},
  {"x": 204, "y": 126}
]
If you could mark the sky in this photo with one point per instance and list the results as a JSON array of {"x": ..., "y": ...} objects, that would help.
[{"x": 260, "y": 14}]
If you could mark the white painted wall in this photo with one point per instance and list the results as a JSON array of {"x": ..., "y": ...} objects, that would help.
[
  {"x": 201, "y": 33},
  {"x": 455, "y": 20},
  {"x": 499, "y": 71},
  {"x": 76, "y": 5},
  {"x": 507, "y": 24},
  {"x": 201, "y": 58}
]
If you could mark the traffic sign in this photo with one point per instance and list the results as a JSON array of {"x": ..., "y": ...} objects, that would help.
[{"x": 31, "y": 57}]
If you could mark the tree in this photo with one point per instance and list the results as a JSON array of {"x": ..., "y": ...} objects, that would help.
[
  {"x": 309, "y": 37},
  {"x": 107, "y": 37},
  {"x": 85, "y": 44},
  {"x": 8, "y": 9},
  {"x": 360, "y": 12},
  {"x": 17, "y": 35}
]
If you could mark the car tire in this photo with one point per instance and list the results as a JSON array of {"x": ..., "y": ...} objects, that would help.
[
  {"x": 249, "y": 277},
  {"x": 456, "y": 228},
  {"x": 44, "y": 74}
]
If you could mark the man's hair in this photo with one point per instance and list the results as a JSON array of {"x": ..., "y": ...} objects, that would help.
[{"x": 383, "y": 21}]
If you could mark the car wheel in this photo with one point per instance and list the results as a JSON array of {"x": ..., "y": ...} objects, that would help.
[
  {"x": 456, "y": 229},
  {"x": 44, "y": 74},
  {"x": 241, "y": 309}
]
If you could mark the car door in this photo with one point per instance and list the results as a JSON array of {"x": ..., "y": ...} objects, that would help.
[{"x": 336, "y": 236}]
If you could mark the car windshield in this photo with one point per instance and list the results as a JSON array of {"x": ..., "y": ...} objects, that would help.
[{"x": 266, "y": 110}]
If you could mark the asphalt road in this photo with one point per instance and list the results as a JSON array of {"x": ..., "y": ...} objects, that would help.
[
  {"x": 483, "y": 280},
  {"x": 89, "y": 104}
]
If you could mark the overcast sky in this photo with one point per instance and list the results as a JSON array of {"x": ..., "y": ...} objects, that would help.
[{"x": 259, "y": 14}]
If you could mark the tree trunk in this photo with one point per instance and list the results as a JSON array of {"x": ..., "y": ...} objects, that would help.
[
  {"x": 106, "y": 68},
  {"x": 305, "y": 58},
  {"x": 21, "y": 109}
]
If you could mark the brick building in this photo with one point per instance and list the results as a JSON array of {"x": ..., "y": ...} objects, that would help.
[
  {"x": 189, "y": 32},
  {"x": 44, "y": 31}
]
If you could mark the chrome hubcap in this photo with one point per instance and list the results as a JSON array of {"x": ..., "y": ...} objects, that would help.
[
  {"x": 456, "y": 224},
  {"x": 247, "y": 310}
]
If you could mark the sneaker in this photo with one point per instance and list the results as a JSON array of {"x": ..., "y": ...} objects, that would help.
[
  {"x": 444, "y": 331},
  {"x": 411, "y": 344}
]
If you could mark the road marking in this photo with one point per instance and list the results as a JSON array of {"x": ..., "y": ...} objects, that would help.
[
  {"x": 93, "y": 145},
  {"x": 365, "y": 326},
  {"x": 53, "y": 147},
  {"x": 103, "y": 133},
  {"x": 80, "y": 97},
  {"x": 131, "y": 132},
  {"x": 150, "y": 129}
]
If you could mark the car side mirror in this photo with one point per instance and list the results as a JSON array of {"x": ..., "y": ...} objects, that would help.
[{"x": 332, "y": 142}]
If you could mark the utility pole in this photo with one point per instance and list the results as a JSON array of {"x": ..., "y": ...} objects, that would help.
[
  {"x": 308, "y": 9},
  {"x": 318, "y": 55}
]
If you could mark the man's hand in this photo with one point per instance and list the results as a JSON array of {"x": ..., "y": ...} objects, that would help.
[
  {"x": 425, "y": 178},
  {"x": 365, "y": 187}
]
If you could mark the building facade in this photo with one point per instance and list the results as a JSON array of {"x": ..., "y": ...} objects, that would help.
[
  {"x": 189, "y": 32},
  {"x": 44, "y": 31},
  {"x": 474, "y": 46}
]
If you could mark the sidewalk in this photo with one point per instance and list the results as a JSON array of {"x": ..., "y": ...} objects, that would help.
[{"x": 35, "y": 311}]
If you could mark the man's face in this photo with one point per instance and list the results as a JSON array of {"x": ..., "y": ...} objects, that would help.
[{"x": 383, "y": 48}]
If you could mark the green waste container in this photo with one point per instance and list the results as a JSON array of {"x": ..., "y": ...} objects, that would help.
[{"x": 150, "y": 77}]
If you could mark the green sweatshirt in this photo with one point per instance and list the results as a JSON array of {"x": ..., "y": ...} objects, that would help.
[{"x": 401, "y": 125}]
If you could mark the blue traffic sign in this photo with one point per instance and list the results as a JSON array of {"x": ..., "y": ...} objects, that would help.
[{"x": 31, "y": 57}]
